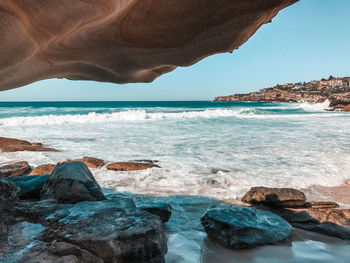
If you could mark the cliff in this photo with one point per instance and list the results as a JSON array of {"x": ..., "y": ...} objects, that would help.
[{"x": 120, "y": 41}]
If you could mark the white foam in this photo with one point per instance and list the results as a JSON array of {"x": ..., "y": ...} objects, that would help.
[{"x": 315, "y": 107}]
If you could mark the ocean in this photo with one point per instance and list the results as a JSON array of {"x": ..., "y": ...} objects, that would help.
[{"x": 204, "y": 148}]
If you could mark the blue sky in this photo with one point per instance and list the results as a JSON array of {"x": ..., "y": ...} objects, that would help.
[{"x": 306, "y": 41}]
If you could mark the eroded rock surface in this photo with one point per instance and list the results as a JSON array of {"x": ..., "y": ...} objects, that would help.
[
  {"x": 120, "y": 41},
  {"x": 72, "y": 182},
  {"x": 240, "y": 227},
  {"x": 161, "y": 209},
  {"x": 285, "y": 197}
]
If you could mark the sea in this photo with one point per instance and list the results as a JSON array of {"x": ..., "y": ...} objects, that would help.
[
  {"x": 208, "y": 152},
  {"x": 204, "y": 148}
]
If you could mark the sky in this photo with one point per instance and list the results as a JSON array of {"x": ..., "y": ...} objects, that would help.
[{"x": 306, "y": 41}]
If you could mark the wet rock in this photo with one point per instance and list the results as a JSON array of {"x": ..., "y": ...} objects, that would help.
[
  {"x": 285, "y": 197},
  {"x": 113, "y": 230},
  {"x": 161, "y": 209},
  {"x": 30, "y": 186},
  {"x": 332, "y": 222},
  {"x": 346, "y": 108},
  {"x": 92, "y": 162},
  {"x": 43, "y": 169},
  {"x": 339, "y": 99},
  {"x": 8, "y": 199},
  {"x": 15, "y": 145},
  {"x": 130, "y": 166},
  {"x": 71, "y": 183},
  {"x": 238, "y": 227},
  {"x": 14, "y": 169}
]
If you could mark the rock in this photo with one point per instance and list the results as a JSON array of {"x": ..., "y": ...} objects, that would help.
[
  {"x": 71, "y": 183},
  {"x": 321, "y": 205},
  {"x": 285, "y": 197},
  {"x": 320, "y": 100},
  {"x": 92, "y": 162},
  {"x": 339, "y": 99},
  {"x": 161, "y": 209},
  {"x": 332, "y": 222},
  {"x": 346, "y": 108},
  {"x": 15, "y": 145},
  {"x": 116, "y": 41},
  {"x": 30, "y": 186},
  {"x": 130, "y": 166},
  {"x": 43, "y": 169},
  {"x": 113, "y": 230},
  {"x": 8, "y": 199},
  {"x": 14, "y": 169},
  {"x": 238, "y": 227}
]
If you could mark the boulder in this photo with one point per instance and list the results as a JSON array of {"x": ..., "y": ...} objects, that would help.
[
  {"x": 285, "y": 197},
  {"x": 43, "y": 169},
  {"x": 30, "y": 186},
  {"x": 15, "y": 145},
  {"x": 130, "y": 166},
  {"x": 14, "y": 169},
  {"x": 238, "y": 227},
  {"x": 113, "y": 230},
  {"x": 72, "y": 182},
  {"x": 161, "y": 209}
]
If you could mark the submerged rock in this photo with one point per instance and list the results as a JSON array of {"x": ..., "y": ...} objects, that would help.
[
  {"x": 43, "y": 169},
  {"x": 161, "y": 209},
  {"x": 285, "y": 197},
  {"x": 130, "y": 166},
  {"x": 15, "y": 145},
  {"x": 15, "y": 169},
  {"x": 238, "y": 227},
  {"x": 72, "y": 182},
  {"x": 30, "y": 186}
]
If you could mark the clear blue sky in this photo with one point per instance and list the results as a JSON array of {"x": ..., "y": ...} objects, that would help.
[{"x": 309, "y": 40}]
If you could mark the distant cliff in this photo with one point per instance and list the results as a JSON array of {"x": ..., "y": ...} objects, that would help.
[{"x": 336, "y": 90}]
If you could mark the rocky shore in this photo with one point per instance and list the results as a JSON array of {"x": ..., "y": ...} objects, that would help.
[
  {"x": 59, "y": 213},
  {"x": 338, "y": 101}
]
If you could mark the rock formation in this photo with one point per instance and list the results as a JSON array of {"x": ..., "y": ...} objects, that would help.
[
  {"x": 15, "y": 145},
  {"x": 130, "y": 166},
  {"x": 240, "y": 227},
  {"x": 120, "y": 41}
]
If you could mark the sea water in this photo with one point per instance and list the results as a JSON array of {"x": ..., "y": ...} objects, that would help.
[{"x": 211, "y": 149}]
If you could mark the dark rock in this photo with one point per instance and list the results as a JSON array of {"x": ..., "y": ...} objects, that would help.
[
  {"x": 113, "y": 230},
  {"x": 240, "y": 227},
  {"x": 30, "y": 186},
  {"x": 43, "y": 169},
  {"x": 71, "y": 183},
  {"x": 285, "y": 197},
  {"x": 130, "y": 166},
  {"x": 161, "y": 209},
  {"x": 14, "y": 169}
]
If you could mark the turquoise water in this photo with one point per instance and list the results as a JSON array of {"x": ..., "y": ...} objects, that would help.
[{"x": 204, "y": 148}]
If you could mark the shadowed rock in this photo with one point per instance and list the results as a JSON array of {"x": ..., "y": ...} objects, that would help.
[
  {"x": 43, "y": 169},
  {"x": 15, "y": 145},
  {"x": 72, "y": 182},
  {"x": 30, "y": 186},
  {"x": 15, "y": 169},
  {"x": 285, "y": 197},
  {"x": 130, "y": 166},
  {"x": 161, "y": 209},
  {"x": 240, "y": 227},
  {"x": 120, "y": 41}
]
